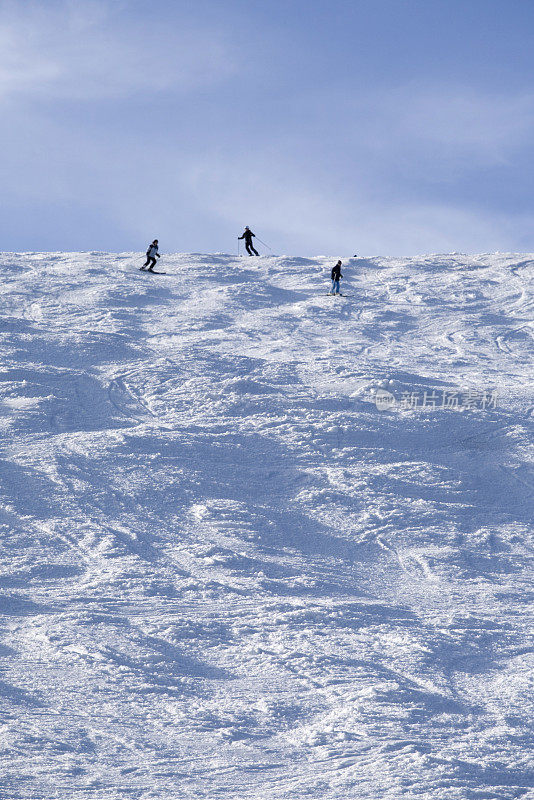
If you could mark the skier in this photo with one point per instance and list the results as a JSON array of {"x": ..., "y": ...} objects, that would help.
[
  {"x": 336, "y": 275},
  {"x": 247, "y": 236},
  {"x": 151, "y": 255}
]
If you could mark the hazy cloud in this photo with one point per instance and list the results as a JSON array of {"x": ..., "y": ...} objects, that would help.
[
  {"x": 217, "y": 127},
  {"x": 460, "y": 121},
  {"x": 86, "y": 50}
]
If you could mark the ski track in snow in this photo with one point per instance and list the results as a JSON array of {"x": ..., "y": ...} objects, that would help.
[{"x": 224, "y": 572}]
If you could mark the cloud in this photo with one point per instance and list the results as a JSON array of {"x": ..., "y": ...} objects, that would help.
[
  {"x": 297, "y": 213},
  {"x": 87, "y": 50},
  {"x": 444, "y": 123},
  {"x": 396, "y": 170},
  {"x": 468, "y": 121},
  {"x": 197, "y": 199}
]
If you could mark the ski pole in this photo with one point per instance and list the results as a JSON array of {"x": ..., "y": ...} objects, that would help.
[
  {"x": 238, "y": 247},
  {"x": 263, "y": 243}
]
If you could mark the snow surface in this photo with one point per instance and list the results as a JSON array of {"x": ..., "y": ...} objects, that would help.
[{"x": 225, "y": 573}]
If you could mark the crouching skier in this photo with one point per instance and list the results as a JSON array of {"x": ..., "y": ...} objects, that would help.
[
  {"x": 336, "y": 276},
  {"x": 247, "y": 236},
  {"x": 151, "y": 255}
]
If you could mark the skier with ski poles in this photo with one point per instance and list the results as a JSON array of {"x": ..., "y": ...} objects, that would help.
[
  {"x": 247, "y": 236},
  {"x": 151, "y": 255},
  {"x": 336, "y": 276}
]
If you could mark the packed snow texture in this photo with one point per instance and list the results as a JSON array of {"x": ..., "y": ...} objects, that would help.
[{"x": 225, "y": 572}]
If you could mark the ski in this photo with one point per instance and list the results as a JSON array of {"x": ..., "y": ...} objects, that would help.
[{"x": 152, "y": 271}]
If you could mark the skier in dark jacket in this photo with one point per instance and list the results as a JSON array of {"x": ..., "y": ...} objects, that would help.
[
  {"x": 336, "y": 276},
  {"x": 151, "y": 255},
  {"x": 247, "y": 236}
]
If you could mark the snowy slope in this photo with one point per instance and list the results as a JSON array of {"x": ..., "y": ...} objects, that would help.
[{"x": 225, "y": 572}]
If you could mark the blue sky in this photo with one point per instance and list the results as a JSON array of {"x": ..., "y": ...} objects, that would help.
[{"x": 378, "y": 127}]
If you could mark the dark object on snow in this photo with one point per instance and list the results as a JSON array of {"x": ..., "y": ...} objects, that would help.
[
  {"x": 247, "y": 236},
  {"x": 151, "y": 255}
]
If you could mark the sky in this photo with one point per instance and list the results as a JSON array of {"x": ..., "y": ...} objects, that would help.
[{"x": 376, "y": 127}]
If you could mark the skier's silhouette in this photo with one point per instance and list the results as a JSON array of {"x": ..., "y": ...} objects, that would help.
[{"x": 247, "y": 236}]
